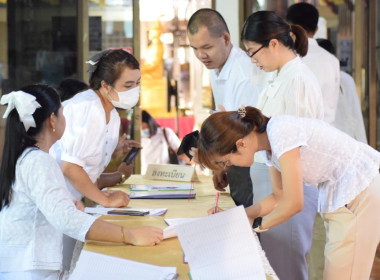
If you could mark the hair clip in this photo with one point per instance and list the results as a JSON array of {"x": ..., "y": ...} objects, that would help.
[{"x": 242, "y": 111}]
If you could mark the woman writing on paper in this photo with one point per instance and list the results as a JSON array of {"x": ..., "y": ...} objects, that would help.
[
  {"x": 35, "y": 206},
  {"x": 305, "y": 150}
]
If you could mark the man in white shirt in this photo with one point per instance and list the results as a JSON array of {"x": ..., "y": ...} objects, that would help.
[
  {"x": 234, "y": 81},
  {"x": 325, "y": 67}
]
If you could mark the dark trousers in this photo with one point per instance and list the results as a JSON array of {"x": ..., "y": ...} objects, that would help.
[{"x": 240, "y": 182}]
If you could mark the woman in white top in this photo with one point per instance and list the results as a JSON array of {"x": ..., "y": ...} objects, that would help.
[
  {"x": 274, "y": 45},
  {"x": 93, "y": 125},
  {"x": 35, "y": 206},
  {"x": 306, "y": 150},
  {"x": 156, "y": 141}
]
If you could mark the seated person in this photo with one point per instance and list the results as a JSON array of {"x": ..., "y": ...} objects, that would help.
[
  {"x": 156, "y": 141},
  {"x": 35, "y": 205}
]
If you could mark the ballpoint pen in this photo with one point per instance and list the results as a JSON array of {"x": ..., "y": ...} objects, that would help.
[{"x": 216, "y": 201}]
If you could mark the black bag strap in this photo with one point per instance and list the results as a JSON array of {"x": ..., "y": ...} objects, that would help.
[{"x": 167, "y": 142}]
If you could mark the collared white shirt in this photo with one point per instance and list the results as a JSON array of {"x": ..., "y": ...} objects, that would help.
[
  {"x": 88, "y": 140},
  {"x": 239, "y": 82},
  {"x": 41, "y": 210},
  {"x": 294, "y": 91},
  {"x": 155, "y": 148},
  {"x": 342, "y": 166},
  {"x": 349, "y": 117},
  {"x": 325, "y": 67}
]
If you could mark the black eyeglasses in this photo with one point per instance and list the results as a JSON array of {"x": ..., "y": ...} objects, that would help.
[{"x": 255, "y": 52}]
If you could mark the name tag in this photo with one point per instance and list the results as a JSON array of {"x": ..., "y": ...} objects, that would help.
[{"x": 171, "y": 172}]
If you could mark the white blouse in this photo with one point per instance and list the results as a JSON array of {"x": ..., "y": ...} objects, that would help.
[
  {"x": 294, "y": 91},
  {"x": 342, "y": 166},
  {"x": 155, "y": 149},
  {"x": 88, "y": 140},
  {"x": 41, "y": 210}
]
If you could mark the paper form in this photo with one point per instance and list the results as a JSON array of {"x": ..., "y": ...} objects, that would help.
[
  {"x": 96, "y": 266},
  {"x": 222, "y": 246}
]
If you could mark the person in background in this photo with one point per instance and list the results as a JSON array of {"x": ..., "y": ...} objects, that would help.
[
  {"x": 274, "y": 45},
  {"x": 35, "y": 206},
  {"x": 326, "y": 68},
  {"x": 156, "y": 141},
  {"x": 234, "y": 81},
  {"x": 305, "y": 150},
  {"x": 68, "y": 87},
  {"x": 349, "y": 117},
  {"x": 92, "y": 132}
]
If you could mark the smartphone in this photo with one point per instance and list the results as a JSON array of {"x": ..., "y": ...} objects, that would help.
[
  {"x": 131, "y": 155},
  {"x": 128, "y": 212}
]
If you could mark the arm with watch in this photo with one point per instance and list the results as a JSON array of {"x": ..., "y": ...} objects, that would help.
[{"x": 285, "y": 201}]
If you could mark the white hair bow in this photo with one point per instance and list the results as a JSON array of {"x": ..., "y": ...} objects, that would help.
[{"x": 25, "y": 105}]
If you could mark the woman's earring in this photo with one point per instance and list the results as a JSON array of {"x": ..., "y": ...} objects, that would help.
[{"x": 53, "y": 129}]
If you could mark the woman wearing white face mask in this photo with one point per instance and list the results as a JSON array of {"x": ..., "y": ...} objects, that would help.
[
  {"x": 154, "y": 143},
  {"x": 92, "y": 129}
]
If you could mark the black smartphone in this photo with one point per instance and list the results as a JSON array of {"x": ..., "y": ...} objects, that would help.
[
  {"x": 128, "y": 212},
  {"x": 131, "y": 155}
]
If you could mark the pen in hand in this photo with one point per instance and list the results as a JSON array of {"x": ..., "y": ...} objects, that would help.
[{"x": 216, "y": 201}]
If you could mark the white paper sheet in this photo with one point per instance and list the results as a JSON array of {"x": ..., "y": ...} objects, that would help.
[
  {"x": 221, "y": 246},
  {"x": 96, "y": 266},
  {"x": 103, "y": 210}
]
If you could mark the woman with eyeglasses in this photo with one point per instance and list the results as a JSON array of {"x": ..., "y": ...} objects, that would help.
[
  {"x": 305, "y": 150},
  {"x": 274, "y": 45}
]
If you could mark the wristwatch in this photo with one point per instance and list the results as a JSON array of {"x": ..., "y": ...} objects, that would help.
[
  {"x": 256, "y": 225},
  {"x": 122, "y": 179}
]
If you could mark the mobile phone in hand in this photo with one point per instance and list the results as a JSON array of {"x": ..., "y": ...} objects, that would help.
[
  {"x": 131, "y": 155},
  {"x": 128, "y": 212}
]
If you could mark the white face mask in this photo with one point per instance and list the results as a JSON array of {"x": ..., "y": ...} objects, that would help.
[
  {"x": 127, "y": 99},
  {"x": 145, "y": 133}
]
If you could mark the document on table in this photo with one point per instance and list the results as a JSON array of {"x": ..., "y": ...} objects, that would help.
[
  {"x": 170, "y": 231},
  {"x": 103, "y": 210},
  {"x": 222, "y": 246},
  {"x": 96, "y": 266}
]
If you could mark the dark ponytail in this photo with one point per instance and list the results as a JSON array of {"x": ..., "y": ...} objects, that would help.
[
  {"x": 263, "y": 26},
  {"x": 17, "y": 139}
]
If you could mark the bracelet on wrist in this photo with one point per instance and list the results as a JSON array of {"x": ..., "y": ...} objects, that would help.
[
  {"x": 122, "y": 235},
  {"x": 122, "y": 177}
]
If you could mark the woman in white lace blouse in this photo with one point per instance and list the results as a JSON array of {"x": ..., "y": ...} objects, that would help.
[
  {"x": 35, "y": 206},
  {"x": 306, "y": 150}
]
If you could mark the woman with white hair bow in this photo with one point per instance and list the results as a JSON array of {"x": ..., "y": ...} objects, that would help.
[{"x": 35, "y": 206}]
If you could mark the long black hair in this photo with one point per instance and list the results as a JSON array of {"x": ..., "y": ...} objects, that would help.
[
  {"x": 153, "y": 125},
  {"x": 17, "y": 139}
]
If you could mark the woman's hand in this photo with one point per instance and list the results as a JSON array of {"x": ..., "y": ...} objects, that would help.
[
  {"x": 127, "y": 170},
  {"x": 116, "y": 198},
  {"x": 220, "y": 180},
  {"x": 144, "y": 236},
  {"x": 212, "y": 210},
  {"x": 79, "y": 205},
  {"x": 124, "y": 146}
]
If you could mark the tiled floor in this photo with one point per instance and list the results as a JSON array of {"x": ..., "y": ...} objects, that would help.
[{"x": 375, "y": 275}]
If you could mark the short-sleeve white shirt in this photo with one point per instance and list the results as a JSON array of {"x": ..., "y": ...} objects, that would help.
[
  {"x": 239, "y": 81},
  {"x": 88, "y": 140},
  {"x": 342, "y": 166},
  {"x": 325, "y": 67},
  {"x": 41, "y": 210},
  {"x": 293, "y": 91},
  {"x": 155, "y": 148}
]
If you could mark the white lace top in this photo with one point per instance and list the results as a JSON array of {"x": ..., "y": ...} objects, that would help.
[
  {"x": 41, "y": 210},
  {"x": 341, "y": 165}
]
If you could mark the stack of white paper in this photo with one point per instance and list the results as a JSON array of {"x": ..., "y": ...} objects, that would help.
[
  {"x": 221, "y": 246},
  {"x": 100, "y": 267}
]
